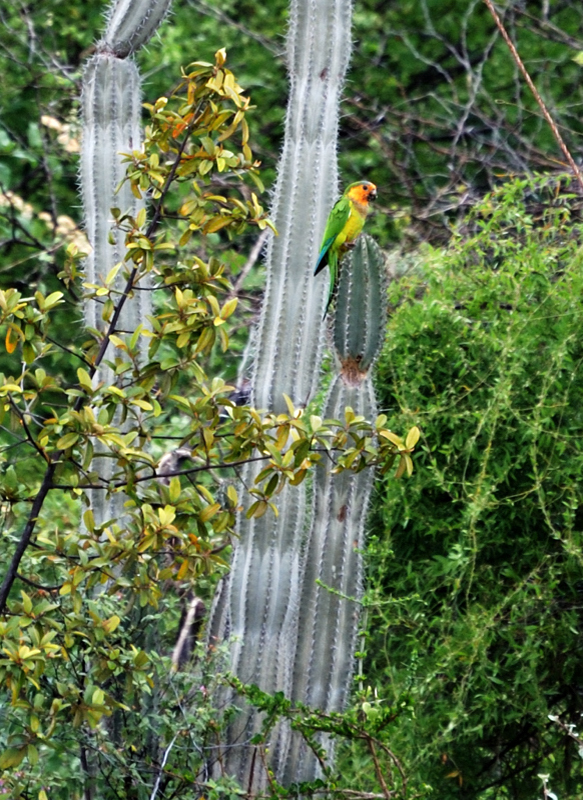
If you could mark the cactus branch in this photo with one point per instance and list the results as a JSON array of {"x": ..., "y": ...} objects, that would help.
[
  {"x": 131, "y": 24},
  {"x": 48, "y": 482}
]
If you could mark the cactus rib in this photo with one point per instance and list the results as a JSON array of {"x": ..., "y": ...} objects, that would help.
[{"x": 132, "y": 23}]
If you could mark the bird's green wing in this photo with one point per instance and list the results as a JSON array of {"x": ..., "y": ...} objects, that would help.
[{"x": 336, "y": 222}]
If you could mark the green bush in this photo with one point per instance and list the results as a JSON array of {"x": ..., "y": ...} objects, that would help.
[{"x": 476, "y": 582}]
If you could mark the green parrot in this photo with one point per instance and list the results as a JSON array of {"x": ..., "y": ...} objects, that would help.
[{"x": 344, "y": 224}]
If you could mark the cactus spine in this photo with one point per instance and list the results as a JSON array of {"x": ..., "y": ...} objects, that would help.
[
  {"x": 111, "y": 105},
  {"x": 288, "y": 634}
]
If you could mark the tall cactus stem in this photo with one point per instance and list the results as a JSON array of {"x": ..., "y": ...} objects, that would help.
[
  {"x": 111, "y": 106},
  {"x": 289, "y": 340},
  {"x": 132, "y": 23},
  {"x": 258, "y": 607},
  {"x": 332, "y": 568},
  {"x": 111, "y": 103},
  {"x": 332, "y": 579}
]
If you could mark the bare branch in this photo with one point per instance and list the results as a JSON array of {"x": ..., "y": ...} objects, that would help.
[
  {"x": 535, "y": 92},
  {"x": 250, "y": 263}
]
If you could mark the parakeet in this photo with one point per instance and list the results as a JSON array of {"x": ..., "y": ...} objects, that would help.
[{"x": 345, "y": 223}]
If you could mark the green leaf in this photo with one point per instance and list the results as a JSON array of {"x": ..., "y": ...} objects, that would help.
[
  {"x": 412, "y": 438},
  {"x": 89, "y": 520},
  {"x": 174, "y": 489},
  {"x": 12, "y": 757},
  {"x": 111, "y": 624},
  {"x": 85, "y": 379},
  {"x": 68, "y": 440},
  {"x": 52, "y": 300},
  {"x": 26, "y": 602}
]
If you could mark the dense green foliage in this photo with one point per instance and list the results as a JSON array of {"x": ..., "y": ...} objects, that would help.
[
  {"x": 474, "y": 619},
  {"x": 476, "y": 564}
]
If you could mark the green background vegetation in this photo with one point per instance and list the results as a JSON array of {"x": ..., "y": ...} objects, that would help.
[{"x": 475, "y": 597}]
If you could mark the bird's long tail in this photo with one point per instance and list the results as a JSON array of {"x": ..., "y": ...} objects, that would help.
[{"x": 332, "y": 289}]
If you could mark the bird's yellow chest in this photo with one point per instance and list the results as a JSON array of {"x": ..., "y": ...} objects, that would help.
[{"x": 354, "y": 225}]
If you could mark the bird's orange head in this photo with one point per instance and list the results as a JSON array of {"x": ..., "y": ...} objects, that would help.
[{"x": 361, "y": 192}]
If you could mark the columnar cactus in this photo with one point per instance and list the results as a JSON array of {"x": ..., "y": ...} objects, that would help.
[
  {"x": 111, "y": 125},
  {"x": 327, "y": 624},
  {"x": 290, "y": 338},
  {"x": 111, "y": 103},
  {"x": 131, "y": 24},
  {"x": 286, "y": 633}
]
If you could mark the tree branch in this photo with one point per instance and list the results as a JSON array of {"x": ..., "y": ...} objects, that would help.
[
  {"x": 10, "y": 577},
  {"x": 47, "y": 482},
  {"x": 157, "y": 476},
  {"x": 535, "y": 92}
]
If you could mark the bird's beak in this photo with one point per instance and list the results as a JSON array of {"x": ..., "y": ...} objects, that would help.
[{"x": 373, "y": 195}]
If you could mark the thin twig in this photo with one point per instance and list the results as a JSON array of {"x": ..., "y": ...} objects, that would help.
[
  {"x": 68, "y": 350},
  {"x": 379, "y": 773},
  {"x": 250, "y": 263},
  {"x": 38, "y": 585},
  {"x": 29, "y": 437},
  {"x": 158, "y": 476},
  {"x": 535, "y": 92},
  {"x": 162, "y": 765},
  {"x": 397, "y": 763}
]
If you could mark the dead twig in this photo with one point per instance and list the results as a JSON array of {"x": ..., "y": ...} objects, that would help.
[{"x": 535, "y": 92}]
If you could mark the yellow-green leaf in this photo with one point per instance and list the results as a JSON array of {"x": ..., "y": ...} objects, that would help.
[
  {"x": 98, "y": 697},
  {"x": 315, "y": 422},
  {"x": 412, "y": 437},
  {"x": 174, "y": 489},
  {"x": 26, "y": 602},
  {"x": 89, "y": 520},
  {"x": 12, "y": 757},
  {"x": 209, "y": 512},
  {"x": 85, "y": 379},
  {"x": 229, "y": 307},
  {"x": 52, "y": 300},
  {"x": 215, "y": 224},
  {"x": 112, "y": 274},
  {"x": 68, "y": 440},
  {"x": 392, "y": 437},
  {"x": 401, "y": 468},
  {"x": 111, "y": 624}
]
